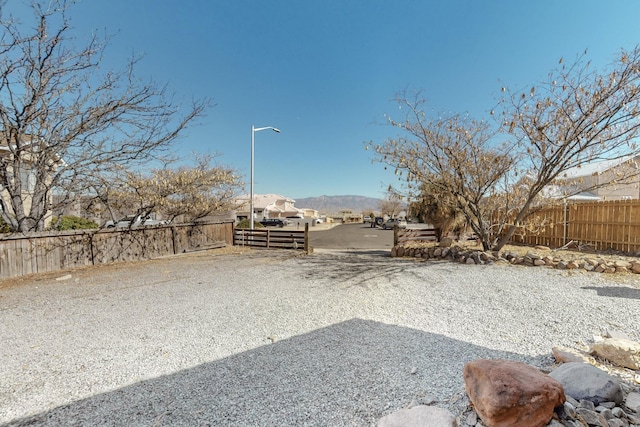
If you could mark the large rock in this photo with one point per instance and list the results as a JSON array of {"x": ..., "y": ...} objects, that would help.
[
  {"x": 506, "y": 393},
  {"x": 633, "y": 402},
  {"x": 619, "y": 351},
  {"x": 566, "y": 354},
  {"x": 419, "y": 416},
  {"x": 586, "y": 382},
  {"x": 445, "y": 242}
]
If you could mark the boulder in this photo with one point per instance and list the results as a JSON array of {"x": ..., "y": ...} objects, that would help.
[
  {"x": 445, "y": 242},
  {"x": 622, "y": 263},
  {"x": 582, "y": 381},
  {"x": 633, "y": 402},
  {"x": 506, "y": 393},
  {"x": 419, "y": 416},
  {"x": 619, "y": 351},
  {"x": 572, "y": 265},
  {"x": 565, "y": 355},
  {"x": 592, "y": 418},
  {"x": 616, "y": 334}
]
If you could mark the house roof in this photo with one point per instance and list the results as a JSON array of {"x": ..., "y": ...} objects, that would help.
[
  {"x": 596, "y": 168},
  {"x": 261, "y": 201},
  {"x": 584, "y": 196},
  {"x": 557, "y": 192}
]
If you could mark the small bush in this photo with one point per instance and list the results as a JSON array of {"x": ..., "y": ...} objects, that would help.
[
  {"x": 70, "y": 222},
  {"x": 4, "y": 227},
  {"x": 245, "y": 223}
]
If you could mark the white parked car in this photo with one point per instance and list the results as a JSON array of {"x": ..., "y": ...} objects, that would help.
[
  {"x": 390, "y": 223},
  {"x": 134, "y": 221}
]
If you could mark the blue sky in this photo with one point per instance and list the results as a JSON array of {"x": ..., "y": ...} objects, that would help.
[{"x": 325, "y": 71}]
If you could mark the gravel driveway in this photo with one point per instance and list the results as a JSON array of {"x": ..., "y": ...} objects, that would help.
[{"x": 267, "y": 338}]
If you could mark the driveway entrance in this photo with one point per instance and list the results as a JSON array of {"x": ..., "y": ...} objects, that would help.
[{"x": 352, "y": 236}]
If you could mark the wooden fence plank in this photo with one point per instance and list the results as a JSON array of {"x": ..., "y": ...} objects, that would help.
[
  {"x": 410, "y": 235},
  {"x": 601, "y": 225},
  {"x": 272, "y": 239}
]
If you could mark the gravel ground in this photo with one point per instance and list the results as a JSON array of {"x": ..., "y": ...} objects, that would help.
[{"x": 267, "y": 338}]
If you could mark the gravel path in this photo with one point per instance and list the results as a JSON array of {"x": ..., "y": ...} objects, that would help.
[{"x": 266, "y": 338}]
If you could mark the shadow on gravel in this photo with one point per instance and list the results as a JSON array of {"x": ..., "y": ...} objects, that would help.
[
  {"x": 350, "y": 373},
  {"x": 357, "y": 267},
  {"x": 616, "y": 291}
]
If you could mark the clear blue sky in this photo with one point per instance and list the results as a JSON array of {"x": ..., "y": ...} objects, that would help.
[{"x": 325, "y": 71}]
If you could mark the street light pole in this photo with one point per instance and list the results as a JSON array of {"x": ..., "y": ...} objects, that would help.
[{"x": 253, "y": 131}]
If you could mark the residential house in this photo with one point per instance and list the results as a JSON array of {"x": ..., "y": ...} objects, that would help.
[
  {"x": 28, "y": 177},
  {"x": 605, "y": 180},
  {"x": 309, "y": 213},
  {"x": 268, "y": 206}
]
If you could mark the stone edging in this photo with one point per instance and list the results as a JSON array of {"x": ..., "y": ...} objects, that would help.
[{"x": 466, "y": 256}]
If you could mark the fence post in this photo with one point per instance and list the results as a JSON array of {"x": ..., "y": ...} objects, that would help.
[
  {"x": 173, "y": 239},
  {"x": 306, "y": 238},
  {"x": 564, "y": 232},
  {"x": 395, "y": 235},
  {"x": 93, "y": 257}
]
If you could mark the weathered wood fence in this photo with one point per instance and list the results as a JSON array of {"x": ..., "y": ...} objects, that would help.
[
  {"x": 273, "y": 239},
  {"x": 600, "y": 225},
  {"x": 411, "y": 235},
  {"x": 51, "y": 251}
]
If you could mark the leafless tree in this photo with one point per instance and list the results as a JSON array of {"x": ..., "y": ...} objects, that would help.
[
  {"x": 454, "y": 157},
  {"x": 575, "y": 117},
  {"x": 392, "y": 205},
  {"x": 189, "y": 192},
  {"x": 66, "y": 123},
  {"x": 439, "y": 209}
]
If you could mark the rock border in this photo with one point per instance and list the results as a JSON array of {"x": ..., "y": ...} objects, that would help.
[{"x": 591, "y": 263}]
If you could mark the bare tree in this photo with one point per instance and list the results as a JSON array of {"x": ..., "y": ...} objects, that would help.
[
  {"x": 392, "y": 205},
  {"x": 439, "y": 209},
  {"x": 189, "y": 192},
  {"x": 65, "y": 123},
  {"x": 454, "y": 157},
  {"x": 575, "y": 117}
]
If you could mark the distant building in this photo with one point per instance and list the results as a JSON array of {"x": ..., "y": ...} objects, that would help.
[
  {"x": 271, "y": 206},
  {"x": 606, "y": 180},
  {"x": 347, "y": 215},
  {"x": 28, "y": 173}
]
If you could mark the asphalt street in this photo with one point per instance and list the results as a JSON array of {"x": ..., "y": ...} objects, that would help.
[{"x": 352, "y": 236}]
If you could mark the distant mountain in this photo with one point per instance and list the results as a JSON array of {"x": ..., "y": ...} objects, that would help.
[{"x": 334, "y": 204}]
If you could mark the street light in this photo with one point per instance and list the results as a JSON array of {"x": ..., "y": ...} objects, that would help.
[{"x": 253, "y": 132}]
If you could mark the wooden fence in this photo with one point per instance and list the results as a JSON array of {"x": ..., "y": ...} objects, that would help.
[
  {"x": 51, "y": 251},
  {"x": 410, "y": 235},
  {"x": 273, "y": 239},
  {"x": 599, "y": 225}
]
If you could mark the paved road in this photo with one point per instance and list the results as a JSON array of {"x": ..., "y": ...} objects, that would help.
[{"x": 352, "y": 236}]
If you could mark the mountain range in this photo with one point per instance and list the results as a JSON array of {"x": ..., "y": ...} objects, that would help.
[{"x": 334, "y": 204}]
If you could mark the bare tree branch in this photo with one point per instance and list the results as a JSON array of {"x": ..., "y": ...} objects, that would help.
[{"x": 65, "y": 124}]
